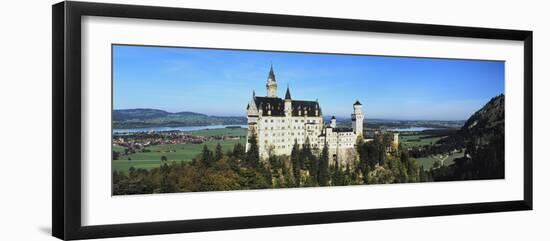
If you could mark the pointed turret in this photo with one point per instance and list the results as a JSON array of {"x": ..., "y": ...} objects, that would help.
[
  {"x": 288, "y": 103},
  {"x": 271, "y": 73},
  {"x": 287, "y": 95}
]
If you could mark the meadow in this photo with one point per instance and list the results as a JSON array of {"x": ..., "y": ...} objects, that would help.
[
  {"x": 445, "y": 160},
  {"x": 416, "y": 140},
  {"x": 176, "y": 152}
]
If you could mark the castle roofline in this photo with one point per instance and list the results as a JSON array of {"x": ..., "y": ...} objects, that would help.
[{"x": 275, "y": 106}]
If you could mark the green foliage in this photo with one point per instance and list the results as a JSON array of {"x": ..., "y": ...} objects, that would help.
[
  {"x": 310, "y": 163},
  {"x": 218, "y": 153},
  {"x": 167, "y": 181},
  {"x": 239, "y": 151},
  {"x": 253, "y": 153},
  {"x": 323, "y": 176},
  {"x": 207, "y": 158},
  {"x": 381, "y": 175},
  {"x": 218, "y": 167},
  {"x": 296, "y": 163},
  {"x": 116, "y": 155}
]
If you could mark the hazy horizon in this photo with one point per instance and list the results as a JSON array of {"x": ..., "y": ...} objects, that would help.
[{"x": 324, "y": 116}]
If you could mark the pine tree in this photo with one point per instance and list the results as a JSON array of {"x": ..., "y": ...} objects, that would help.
[
  {"x": 336, "y": 174},
  {"x": 365, "y": 174},
  {"x": 253, "y": 153},
  {"x": 239, "y": 151},
  {"x": 314, "y": 170},
  {"x": 323, "y": 167},
  {"x": 218, "y": 153},
  {"x": 207, "y": 158},
  {"x": 167, "y": 184},
  {"x": 287, "y": 176},
  {"x": 306, "y": 155},
  {"x": 296, "y": 163}
]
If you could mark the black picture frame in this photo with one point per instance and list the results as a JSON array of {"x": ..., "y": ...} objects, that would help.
[{"x": 66, "y": 75}]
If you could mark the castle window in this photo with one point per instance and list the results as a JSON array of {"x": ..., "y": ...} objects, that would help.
[
  {"x": 271, "y": 121},
  {"x": 266, "y": 121}
]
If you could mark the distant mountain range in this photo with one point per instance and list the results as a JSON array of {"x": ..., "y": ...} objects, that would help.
[
  {"x": 147, "y": 117},
  {"x": 139, "y": 118}
]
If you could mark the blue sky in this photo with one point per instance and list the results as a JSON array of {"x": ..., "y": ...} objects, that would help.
[{"x": 220, "y": 82}]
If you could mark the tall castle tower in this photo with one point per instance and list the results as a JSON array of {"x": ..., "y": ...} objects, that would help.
[
  {"x": 271, "y": 84},
  {"x": 357, "y": 118}
]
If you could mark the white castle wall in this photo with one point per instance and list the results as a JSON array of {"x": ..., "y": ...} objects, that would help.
[{"x": 277, "y": 134}]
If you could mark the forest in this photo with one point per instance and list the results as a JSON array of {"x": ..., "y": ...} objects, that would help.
[
  {"x": 376, "y": 162},
  {"x": 214, "y": 170}
]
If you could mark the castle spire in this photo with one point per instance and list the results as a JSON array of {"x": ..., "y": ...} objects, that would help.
[
  {"x": 287, "y": 95},
  {"x": 271, "y": 85},
  {"x": 271, "y": 73}
]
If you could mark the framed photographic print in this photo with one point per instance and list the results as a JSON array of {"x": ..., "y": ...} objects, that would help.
[{"x": 212, "y": 120}]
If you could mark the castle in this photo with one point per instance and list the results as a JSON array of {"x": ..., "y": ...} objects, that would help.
[{"x": 279, "y": 123}]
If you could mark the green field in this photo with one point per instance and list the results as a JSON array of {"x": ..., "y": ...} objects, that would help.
[
  {"x": 418, "y": 140},
  {"x": 176, "y": 152},
  {"x": 427, "y": 162},
  {"x": 412, "y": 140},
  {"x": 221, "y": 132}
]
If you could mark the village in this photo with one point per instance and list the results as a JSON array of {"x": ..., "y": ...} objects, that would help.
[{"x": 132, "y": 142}]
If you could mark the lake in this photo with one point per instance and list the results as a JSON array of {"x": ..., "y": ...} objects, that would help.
[{"x": 177, "y": 128}]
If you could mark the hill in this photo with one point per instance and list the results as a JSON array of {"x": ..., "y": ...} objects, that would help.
[
  {"x": 138, "y": 118},
  {"x": 483, "y": 135},
  {"x": 487, "y": 123}
]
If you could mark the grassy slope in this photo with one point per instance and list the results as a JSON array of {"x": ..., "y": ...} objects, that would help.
[
  {"x": 427, "y": 162},
  {"x": 415, "y": 140}
]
